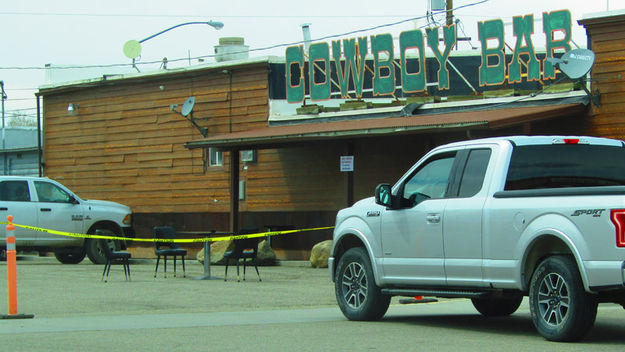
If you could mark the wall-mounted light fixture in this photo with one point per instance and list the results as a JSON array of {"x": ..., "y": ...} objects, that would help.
[{"x": 72, "y": 109}]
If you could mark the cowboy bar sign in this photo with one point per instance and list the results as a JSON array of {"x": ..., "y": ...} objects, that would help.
[{"x": 347, "y": 65}]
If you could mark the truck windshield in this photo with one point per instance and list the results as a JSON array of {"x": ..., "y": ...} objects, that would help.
[{"x": 565, "y": 165}]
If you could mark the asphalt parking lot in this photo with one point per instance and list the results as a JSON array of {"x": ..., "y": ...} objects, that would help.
[
  {"x": 78, "y": 289},
  {"x": 292, "y": 309}
]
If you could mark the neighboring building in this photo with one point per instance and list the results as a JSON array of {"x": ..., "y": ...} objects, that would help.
[
  {"x": 20, "y": 155},
  {"x": 121, "y": 140}
]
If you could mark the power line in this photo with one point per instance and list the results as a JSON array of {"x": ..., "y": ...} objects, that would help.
[
  {"x": 23, "y": 109},
  {"x": 195, "y": 16},
  {"x": 254, "y": 49}
]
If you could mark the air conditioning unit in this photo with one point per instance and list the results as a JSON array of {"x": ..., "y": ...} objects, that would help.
[{"x": 248, "y": 156}]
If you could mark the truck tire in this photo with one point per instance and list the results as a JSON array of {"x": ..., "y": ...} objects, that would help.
[
  {"x": 561, "y": 309},
  {"x": 94, "y": 252},
  {"x": 356, "y": 292},
  {"x": 73, "y": 257},
  {"x": 497, "y": 307}
]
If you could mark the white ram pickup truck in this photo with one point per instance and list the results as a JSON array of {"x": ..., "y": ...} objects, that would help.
[
  {"x": 45, "y": 203},
  {"x": 493, "y": 220}
]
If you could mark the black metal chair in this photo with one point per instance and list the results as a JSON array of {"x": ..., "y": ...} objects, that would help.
[
  {"x": 166, "y": 249},
  {"x": 246, "y": 248},
  {"x": 112, "y": 256}
]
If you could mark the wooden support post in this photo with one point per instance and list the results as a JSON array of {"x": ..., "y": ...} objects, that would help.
[
  {"x": 234, "y": 190},
  {"x": 349, "y": 177}
]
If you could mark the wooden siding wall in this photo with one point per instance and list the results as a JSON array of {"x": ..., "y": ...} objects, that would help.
[
  {"x": 126, "y": 145},
  {"x": 608, "y": 76}
]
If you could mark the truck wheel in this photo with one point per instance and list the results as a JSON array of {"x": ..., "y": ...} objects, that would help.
[
  {"x": 560, "y": 308},
  {"x": 95, "y": 253},
  {"x": 356, "y": 292},
  {"x": 73, "y": 257},
  {"x": 497, "y": 307}
]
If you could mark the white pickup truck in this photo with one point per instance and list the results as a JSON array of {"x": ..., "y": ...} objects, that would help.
[
  {"x": 493, "y": 220},
  {"x": 45, "y": 203}
]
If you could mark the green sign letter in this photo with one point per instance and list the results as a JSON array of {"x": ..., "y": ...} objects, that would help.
[
  {"x": 354, "y": 54},
  {"x": 496, "y": 73},
  {"x": 412, "y": 82},
  {"x": 523, "y": 28},
  {"x": 319, "y": 54},
  {"x": 295, "y": 87},
  {"x": 449, "y": 33},
  {"x": 557, "y": 21},
  {"x": 384, "y": 78}
]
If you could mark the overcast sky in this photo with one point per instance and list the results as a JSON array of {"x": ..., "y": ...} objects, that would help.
[{"x": 89, "y": 32}]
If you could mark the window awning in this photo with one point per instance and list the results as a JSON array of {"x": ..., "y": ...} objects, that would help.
[{"x": 490, "y": 118}]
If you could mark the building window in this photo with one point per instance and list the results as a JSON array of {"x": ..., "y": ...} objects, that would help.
[{"x": 215, "y": 157}]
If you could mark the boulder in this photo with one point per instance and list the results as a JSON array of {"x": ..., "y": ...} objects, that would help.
[
  {"x": 217, "y": 252},
  {"x": 320, "y": 254},
  {"x": 265, "y": 255}
]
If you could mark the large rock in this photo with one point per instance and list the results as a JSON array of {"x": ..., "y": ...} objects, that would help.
[
  {"x": 320, "y": 254},
  {"x": 217, "y": 251},
  {"x": 265, "y": 255}
]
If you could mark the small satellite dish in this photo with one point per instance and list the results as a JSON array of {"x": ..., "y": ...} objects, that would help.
[
  {"x": 576, "y": 63},
  {"x": 132, "y": 49},
  {"x": 187, "y": 110},
  {"x": 187, "y": 107}
]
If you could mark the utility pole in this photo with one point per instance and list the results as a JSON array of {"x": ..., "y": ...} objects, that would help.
[
  {"x": 449, "y": 12},
  {"x": 4, "y": 152}
]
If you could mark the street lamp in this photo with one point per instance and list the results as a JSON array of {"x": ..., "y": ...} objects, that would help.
[{"x": 132, "y": 48}]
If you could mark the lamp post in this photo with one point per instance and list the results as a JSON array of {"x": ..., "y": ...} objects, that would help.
[{"x": 132, "y": 48}]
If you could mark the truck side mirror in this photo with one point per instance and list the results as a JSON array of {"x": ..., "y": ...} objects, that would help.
[{"x": 383, "y": 195}]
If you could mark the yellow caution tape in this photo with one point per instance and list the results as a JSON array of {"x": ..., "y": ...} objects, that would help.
[{"x": 180, "y": 240}]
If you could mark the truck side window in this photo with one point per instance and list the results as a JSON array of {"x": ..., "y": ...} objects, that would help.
[
  {"x": 564, "y": 165},
  {"x": 48, "y": 192},
  {"x": 14, "y": 191},
  {"x": 474, "y": 172},
  {"x": 431, "y": 179}
]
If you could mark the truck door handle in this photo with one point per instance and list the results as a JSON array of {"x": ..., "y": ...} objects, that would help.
[
  {"x": 433, "y": 218},
  {"x": 45, "y": 209},
  {"x": 3, "y": 209}
]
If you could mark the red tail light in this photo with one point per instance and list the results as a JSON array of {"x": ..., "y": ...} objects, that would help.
[
  {"x": 618, "y": 219},
  {"x": 571, "y": 140}
]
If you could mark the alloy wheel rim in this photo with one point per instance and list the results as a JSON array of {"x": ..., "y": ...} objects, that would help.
[
  {"x": 354, "y": 285},
  {"x": 553, "y": 299}
]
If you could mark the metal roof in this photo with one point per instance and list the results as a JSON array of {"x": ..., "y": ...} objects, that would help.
[{"x": 282, "y": 136}]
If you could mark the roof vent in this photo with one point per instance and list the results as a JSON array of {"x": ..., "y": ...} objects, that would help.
[{"x": 231, "y": 48}]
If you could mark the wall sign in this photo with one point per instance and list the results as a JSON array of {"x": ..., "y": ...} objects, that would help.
[
  {"x": 348, "y": 58},
  {"x": 347, "y": 163}
]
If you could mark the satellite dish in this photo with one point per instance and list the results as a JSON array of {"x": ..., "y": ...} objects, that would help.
[
  {"x": 132, "y": 49},
  {"x": 187, "y": 110},
  {"x": 576, "y": 63},
  {"x": 187, "y": 107}
]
